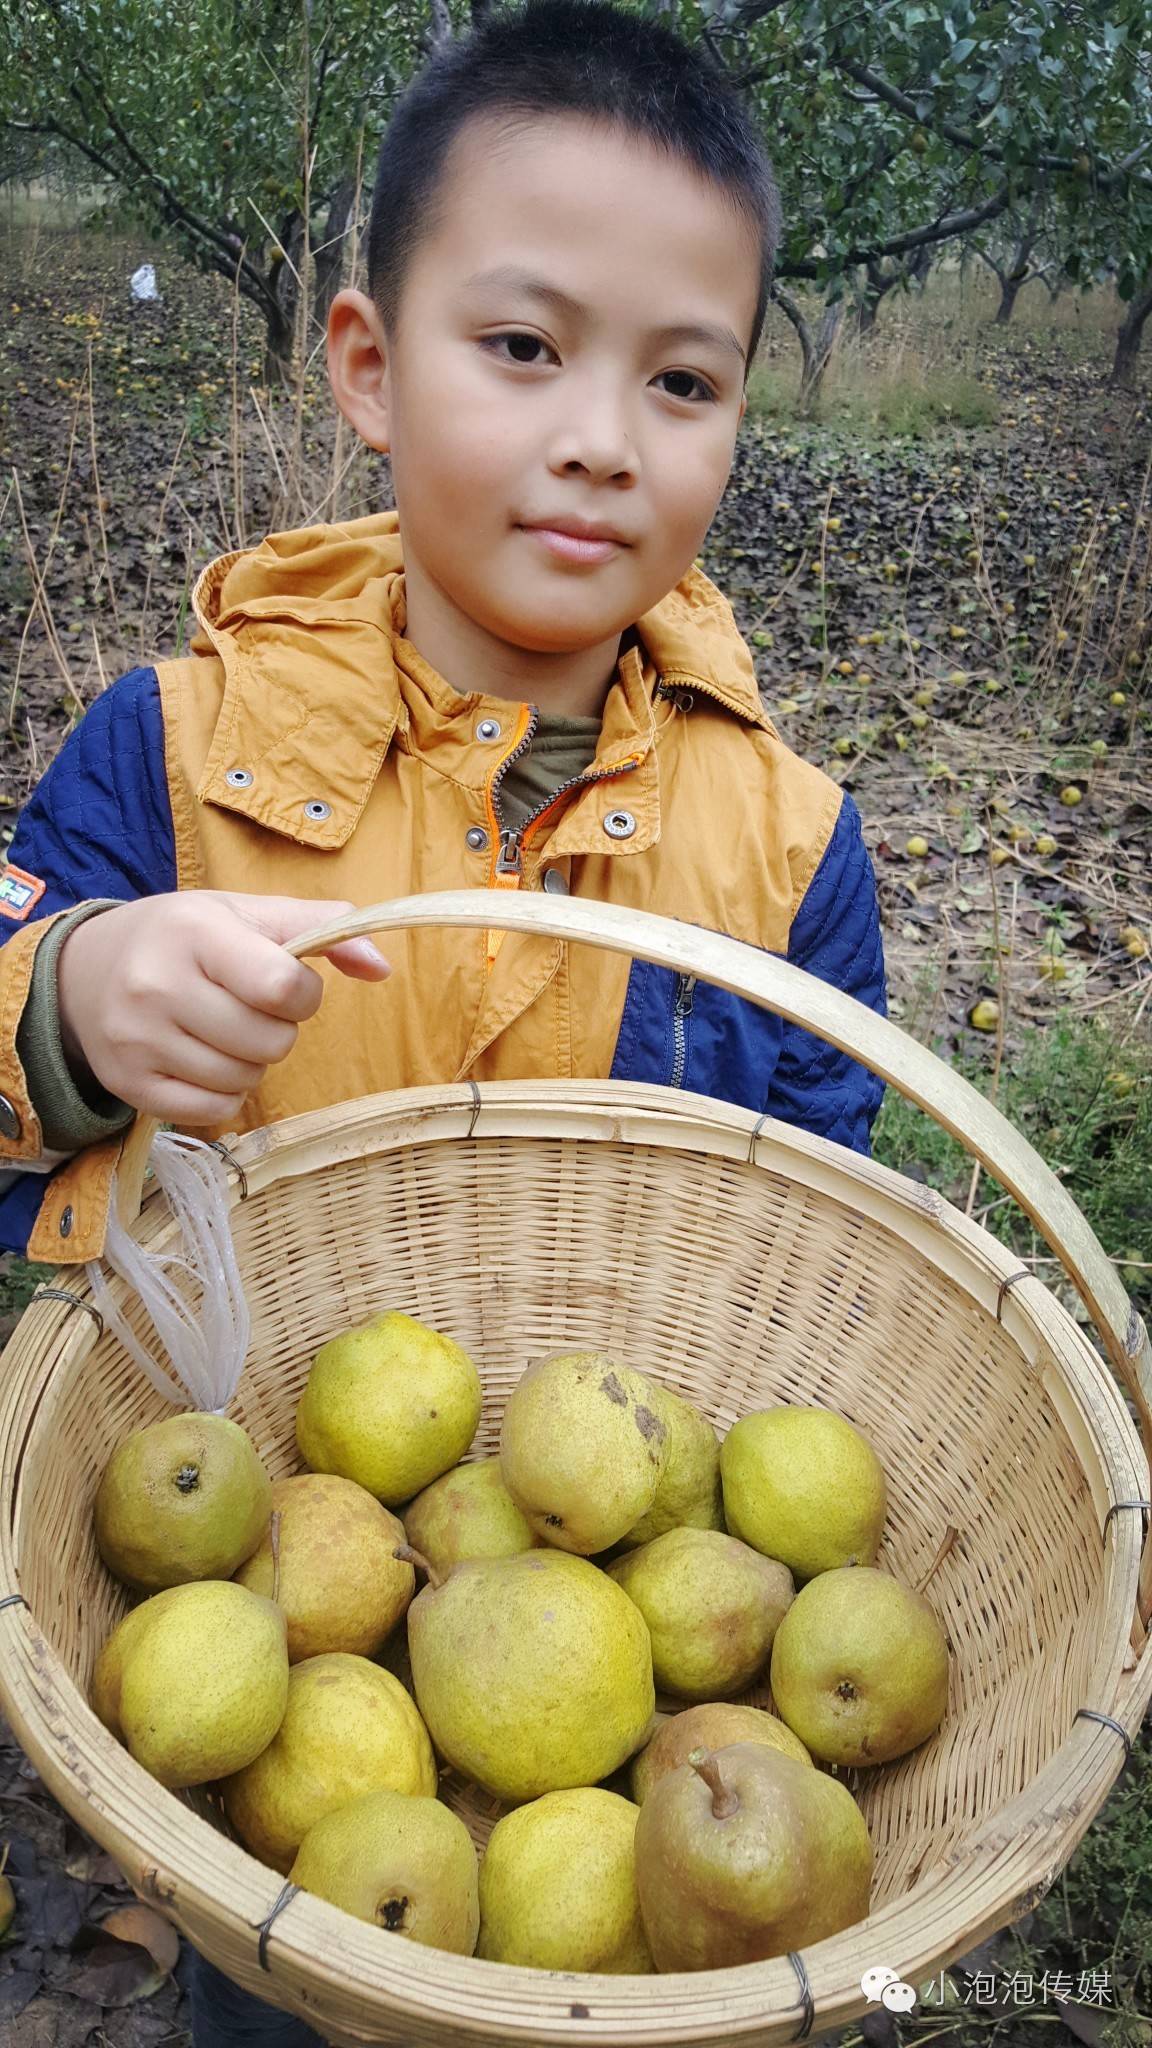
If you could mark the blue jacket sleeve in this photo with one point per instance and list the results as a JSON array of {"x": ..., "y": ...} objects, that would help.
[
  {"x": 98, "y": 824},
  {"x": 835, "y": 936}
]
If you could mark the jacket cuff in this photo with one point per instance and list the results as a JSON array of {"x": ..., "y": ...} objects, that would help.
[
  {"x": 74, "y": 1109},
  {"x": 20, "y": 1135}
]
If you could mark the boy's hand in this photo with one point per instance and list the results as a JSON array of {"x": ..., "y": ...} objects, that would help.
[{"x": 179, "y": 1003}]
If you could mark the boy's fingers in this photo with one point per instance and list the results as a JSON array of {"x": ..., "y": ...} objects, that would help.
[
  {"x": 284, "y": 918},
  {"x": 360, "y": 959}
]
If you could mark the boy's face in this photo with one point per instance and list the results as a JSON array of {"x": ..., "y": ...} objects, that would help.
[{"x": 591, "y": 415}]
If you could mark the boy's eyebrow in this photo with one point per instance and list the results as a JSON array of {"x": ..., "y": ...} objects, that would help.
[{"x": 512, "y": 278}]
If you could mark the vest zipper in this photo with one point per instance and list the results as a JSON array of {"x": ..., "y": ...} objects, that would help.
[{"x": 682, "y": 1008}]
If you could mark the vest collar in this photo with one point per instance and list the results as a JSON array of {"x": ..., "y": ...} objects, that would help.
[{"x": 319, "y": 678}]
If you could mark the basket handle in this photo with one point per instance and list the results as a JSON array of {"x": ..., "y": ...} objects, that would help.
[{"x": 774, "y": 984}]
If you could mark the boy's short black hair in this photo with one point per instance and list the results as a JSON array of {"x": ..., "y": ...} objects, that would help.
[{"x": 585, "y": 57}]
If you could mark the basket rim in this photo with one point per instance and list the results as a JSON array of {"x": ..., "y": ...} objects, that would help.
[{"x": 186, "y": 1865}]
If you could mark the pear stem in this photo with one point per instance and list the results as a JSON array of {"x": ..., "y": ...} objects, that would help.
[
  {"x": 724, "y": 1800},
  {"x": 407, "y": 1555},
  {"x": 274, "y": 1534}
]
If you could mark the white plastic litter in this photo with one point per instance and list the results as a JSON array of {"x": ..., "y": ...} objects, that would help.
[
  {"x": 143, "y": 282},
  {"x": 204, "y": 1325}
]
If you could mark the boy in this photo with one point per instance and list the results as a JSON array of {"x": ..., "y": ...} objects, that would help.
[{"x": 518, "y": 679}]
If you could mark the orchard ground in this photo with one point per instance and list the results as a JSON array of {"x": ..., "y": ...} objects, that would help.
[{"x": 944, "y": 578}]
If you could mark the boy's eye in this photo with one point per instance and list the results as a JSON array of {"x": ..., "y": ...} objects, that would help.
[{"x": 511, "y": 335}]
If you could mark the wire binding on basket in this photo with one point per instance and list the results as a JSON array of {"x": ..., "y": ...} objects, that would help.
[
  {"x": 62, "y": 1294},
  {"x": 807, "y": 1999},
  {"x": 287, "y": 1894},
  {"x": 219, "y": 1146},
  {"x": 754, "y": 1134},
  {"x": 1107, "y": 1721},
  {"x": 1144, "y": 1505},
  {"x": 1006, "y": 1286},
  {"x": 475, "y": 1106},
  {"x": 14, "y": 1599}
]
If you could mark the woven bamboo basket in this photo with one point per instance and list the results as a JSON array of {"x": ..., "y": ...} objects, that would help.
[{"x": 746, "y": 1263}]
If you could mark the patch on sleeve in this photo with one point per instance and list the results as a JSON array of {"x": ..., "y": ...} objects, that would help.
[{"x": 19, "y": 892}]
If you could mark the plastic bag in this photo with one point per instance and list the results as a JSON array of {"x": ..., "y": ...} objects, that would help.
[
  {"x": 203, "y": 1325},
  {"x": 142, "y": 282}
]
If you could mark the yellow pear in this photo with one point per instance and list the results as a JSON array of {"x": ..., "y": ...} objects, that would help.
[
  {"x": 742, "y": 1854},
  {"x": 391, "y": 1404},
  {"x": 688, "y": 1491},
  {"x": 581, "y": 1449},
  {"x": 184, "y": 1498},
  {"x": 348, "y": 1727},
  {"x": 533, "y": 1673},
  {"x": 711, "y": 1726},
  {"x": 469, "y": 1512},
  {"x": 204, "y": 1683},
  {"x": 558, "y": 1886},
  {"x": 108, "y": 1671},
  {"x": 804, "y": 1486},
  {"x": 712, "y": 1605},
  {"x": 341, "y": 1585},
  {"x": 402, "y": 1861},
  {"x": 860, "y": 1667}
]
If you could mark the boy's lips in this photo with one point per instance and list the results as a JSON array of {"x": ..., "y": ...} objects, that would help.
[{"x": 575, "y": 547}]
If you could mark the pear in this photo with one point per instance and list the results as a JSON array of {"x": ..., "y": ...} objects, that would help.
[
  {"x": 341, "y": 1585},
  {"x": 712, "y": 1726},
  {"x": 182, "y": 1499},
  {"x": 804, "y": 1486},
  {"x": 712, "y": 1606},
  {"x": 742, "y": 1854},
  {"x": 558, "y": 1886},
  {"x": 533, "y": 1673},
  {"x": 108, "y": 1671},
  {"x": 688, "y": 1493},
  {"x": 582, "y": 1449},
  {"x": 348, "y": 1727},
  {"x": 204, "y": 1682},
  {"x": 860, "y": 1667},
  {"x": 391, "y": 1404},
  {"x": 469, "y": 1512},
  {"x": 403, "y": 1862}
]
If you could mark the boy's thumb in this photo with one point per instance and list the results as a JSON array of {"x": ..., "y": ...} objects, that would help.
[{"x": 284, "y": 918}]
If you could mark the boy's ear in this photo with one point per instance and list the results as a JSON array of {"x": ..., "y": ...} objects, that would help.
[{"x": 358, "y": 366}]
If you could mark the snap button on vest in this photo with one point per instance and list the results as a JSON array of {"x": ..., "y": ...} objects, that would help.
[
  {"x": 554, "y": 882},
  {"x": 620, "y": 824},
  {"x": 476, "y": 837},
  {"x": 239, "y": 778},
  {"x": 317, "y": 811},
  {"x": 488, "y": 729},
  {"x": 9, "y": 1120}
]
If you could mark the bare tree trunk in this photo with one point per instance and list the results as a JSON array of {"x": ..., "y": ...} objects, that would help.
[
  {"x": 1009, "y": 293},
  {"x": 1128, "y": 337},
  {"x": 329, "y": 258},
  {"x": 277, "y": 347},
  {"x": 815, "y": 348}
]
